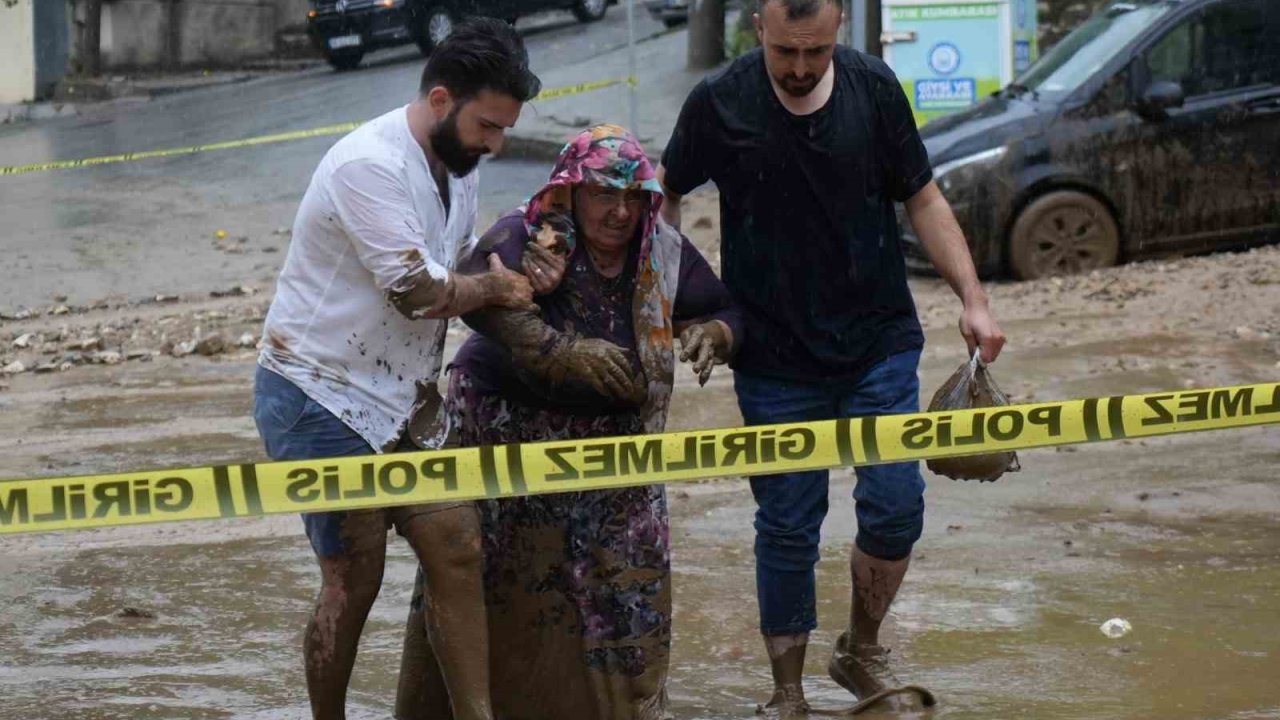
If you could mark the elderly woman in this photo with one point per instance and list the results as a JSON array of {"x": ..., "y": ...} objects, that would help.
[{"x": 578, "y": 584}]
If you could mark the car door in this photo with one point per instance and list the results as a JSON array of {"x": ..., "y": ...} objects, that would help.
[{"x": 1209, "y": 171}]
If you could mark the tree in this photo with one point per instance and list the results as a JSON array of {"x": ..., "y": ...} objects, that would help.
[{"x": 706, "y": 33}]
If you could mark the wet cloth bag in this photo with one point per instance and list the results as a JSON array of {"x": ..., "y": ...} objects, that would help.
[{"x": 972, "y": 386}]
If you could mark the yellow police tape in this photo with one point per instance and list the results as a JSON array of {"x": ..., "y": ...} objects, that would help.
[
  {"x": 247, "y": 490},
  {"x": 548, "y": 94}
]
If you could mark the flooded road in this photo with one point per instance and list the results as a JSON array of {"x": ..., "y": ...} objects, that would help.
[{"x": 999, "y": 614}]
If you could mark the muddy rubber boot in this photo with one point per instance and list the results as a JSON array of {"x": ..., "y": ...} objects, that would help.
[{"x": 864, "y": 671}]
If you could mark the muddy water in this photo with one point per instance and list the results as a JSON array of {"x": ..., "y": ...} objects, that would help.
[{"x": 999, "y": 614}]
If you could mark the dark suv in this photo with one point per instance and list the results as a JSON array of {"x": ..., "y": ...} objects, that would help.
[
  {"x": 1152, "y": 129},
  {"x": 344, "y": 30}
]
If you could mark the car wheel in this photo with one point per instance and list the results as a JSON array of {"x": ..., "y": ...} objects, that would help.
[
  {"x": 436, "y": 26},
  {"x": 589, "y": 10},
  {"x": 345, "y": 60},
  {"x": 1063, "y": 233}
]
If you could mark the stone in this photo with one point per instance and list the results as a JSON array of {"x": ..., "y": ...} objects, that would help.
[
  {"x": 211, "y": 344},
  {"x": 87, "y": 344},
  {"x": 183, "y": 349},
  {"x": 140, "y": 354},
  {"x": 247, "y": 340},
  {"x": 23, "y": 341},
  {"x": 60, "y": 310},
  {"x": 48, "y": 367},
  {"x": 107, "y": 357},
  {"x": 14, "y": 368}
]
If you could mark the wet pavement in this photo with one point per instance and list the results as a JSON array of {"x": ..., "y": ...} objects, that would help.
[{"x": 148, "y": 227}]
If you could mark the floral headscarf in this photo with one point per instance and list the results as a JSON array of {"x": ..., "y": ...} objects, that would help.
[
  {"x": 609, "y": 156},
  {"x": 604, "y": 155}
]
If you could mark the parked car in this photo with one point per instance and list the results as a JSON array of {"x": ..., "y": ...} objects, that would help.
[
  {"x": 1152, "y": 129},
  {"x": 672, "y": 13},
  {"x": 344, "y": 30}
]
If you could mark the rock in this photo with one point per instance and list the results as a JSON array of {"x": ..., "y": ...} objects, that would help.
[
  {"x": 106, "y": 357},
  {"x": 1246, "y": 333},
  {"x": 166, "y": 298},
  {"x": 247, "y": 340},
  {"x": 133, "y": 613},
  {"x": 238, "y": 291},
  {"x": 183, "y": 349},
  {"x": 140, "y": 354},
  {"x": 14, "y": 368},
  {"x": 23, "y": 341},
  {"x": 211, "y": 344},
  {"x": 87, "y": 344},
  {"x": 60, "y": 310},
  {"x": 48, "y": 367}
]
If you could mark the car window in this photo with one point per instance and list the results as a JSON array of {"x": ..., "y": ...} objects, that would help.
[{"x": 1228, "y": 46}]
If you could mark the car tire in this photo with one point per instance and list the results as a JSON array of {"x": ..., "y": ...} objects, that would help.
[
  {"x": 589, "y": 10},
  {"x": 673, "y": 23},
  {"x": 437, "y": 24},
  {"x": 343, "y": 61},
  {"x": 1064, "y": 232}
]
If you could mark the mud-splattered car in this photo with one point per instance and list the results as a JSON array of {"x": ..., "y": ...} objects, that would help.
[{"x": 1152, "y": 129}]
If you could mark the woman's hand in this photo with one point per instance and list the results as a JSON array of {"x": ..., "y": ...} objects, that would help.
[
  {"x": 544, "y": 268},
  {"x": 706, "y": 345}
]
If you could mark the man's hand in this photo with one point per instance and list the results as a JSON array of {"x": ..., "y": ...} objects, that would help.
[
  {"x": 706, "y": 345},
  {"x": 980, "y": 330},
  {"x": 506, "y": 288},
  {"x": 544, "y": 268}
]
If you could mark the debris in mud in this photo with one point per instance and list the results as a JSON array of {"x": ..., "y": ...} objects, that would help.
[
  {"x": 23, "y": 341},
  {"x": 133, "y": 613},
  {"x": 106, "y": 357},
  {"x": 954, "y": 528},
  {"x": 282, "y": 231},
  {"x": 14, "y": 368},
  {"x": 60, "y": 310},
  {"x": 86, "y": 344},
  {"x": 1144, "y": 496},
  {"x": 1116, "y": 628},
  {"x": 211, "y": 344},
  {"x": 702, "y": 223},
  {"x": 141, "y": 354},
  {"x": 51, "y": 367},
  {"x": 247, "y": 340},
  {"x": 19, "y": 315},
  {"x": 182, "y": 349}
]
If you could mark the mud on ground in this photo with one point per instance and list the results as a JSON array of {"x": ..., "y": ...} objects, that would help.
[{"x": 999, "y": 614}]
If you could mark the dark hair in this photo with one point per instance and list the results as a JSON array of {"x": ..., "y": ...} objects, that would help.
[
  {"x": 801, "y": 9},
  {"x": 481, "y": 54}
]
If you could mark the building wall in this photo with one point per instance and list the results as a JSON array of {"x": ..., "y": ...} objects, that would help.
[
  {"x": 291, "y": 15},
  {"x": 17, "y": 52},
  {"x": 137, "y": 34}
]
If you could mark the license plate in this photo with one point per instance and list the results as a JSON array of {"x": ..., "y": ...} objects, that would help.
[{"x": 345, "y": 41}]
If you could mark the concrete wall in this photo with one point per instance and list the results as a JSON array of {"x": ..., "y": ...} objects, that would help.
[
  {"x": 291, "y": 15},
  {"x": 17, "y": 51},
  {"x": 137, "y": 34}
]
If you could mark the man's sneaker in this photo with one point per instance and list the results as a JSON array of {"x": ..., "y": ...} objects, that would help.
[{"x": 864, "y": 671}]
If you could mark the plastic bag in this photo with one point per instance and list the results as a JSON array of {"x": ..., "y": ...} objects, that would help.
[{"x": 972, "y": 386}]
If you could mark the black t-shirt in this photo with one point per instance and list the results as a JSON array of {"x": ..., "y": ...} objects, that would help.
[{"x": 810, "y": 241}]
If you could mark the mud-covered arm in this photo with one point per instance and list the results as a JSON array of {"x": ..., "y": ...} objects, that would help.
[
  {"x": 557, "y": 365},
  {"x": 706, "y": 319},
  {"x": 372, "y": 201}
]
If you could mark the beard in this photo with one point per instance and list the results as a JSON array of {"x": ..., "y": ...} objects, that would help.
[
  {"x": 798, "y": 86},
  {"x": 458, "y": 159}
]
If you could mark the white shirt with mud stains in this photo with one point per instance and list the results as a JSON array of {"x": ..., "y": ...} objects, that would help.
[{"x": 371, "y": 218}]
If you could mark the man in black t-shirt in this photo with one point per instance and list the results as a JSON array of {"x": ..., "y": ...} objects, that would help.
[{"x": 811, "y": 145}]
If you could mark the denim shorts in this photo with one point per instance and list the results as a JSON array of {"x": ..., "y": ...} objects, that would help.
[{"x": 295, "y": 427}]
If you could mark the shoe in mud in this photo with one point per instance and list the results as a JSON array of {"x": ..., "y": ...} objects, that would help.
[
  {"x": 864, "y": 671},
  {"x": 787, "y": 704}
]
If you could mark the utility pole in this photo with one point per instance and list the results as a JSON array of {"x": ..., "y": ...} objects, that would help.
[
  {"x": 872, "y": 32},
  {"x": 706, "y": 34},
  {"x": 92, "y": 60}
]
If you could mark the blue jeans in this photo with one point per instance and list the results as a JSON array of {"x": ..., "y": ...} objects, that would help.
[
  {"x": 295, "y": 427},
  {"x": 889, "y": 499}
]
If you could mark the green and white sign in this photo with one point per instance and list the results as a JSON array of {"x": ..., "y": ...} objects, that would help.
[{"x": 951, "y": 54}]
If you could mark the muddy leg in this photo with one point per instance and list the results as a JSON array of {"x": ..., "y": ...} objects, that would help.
[
  {"x": 875, "y": 585},
  {"x": 447, "y": 543},
  {"x": 349, "y": 585},
  {"x": 786, "y": 661},
  {"x": 421, "y": 694}
]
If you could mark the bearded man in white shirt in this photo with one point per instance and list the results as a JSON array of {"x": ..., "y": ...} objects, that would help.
[{"x": 381, "y": 258}]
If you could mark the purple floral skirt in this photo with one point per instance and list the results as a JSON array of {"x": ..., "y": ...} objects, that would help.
[{"x": 577, "y": 584}]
